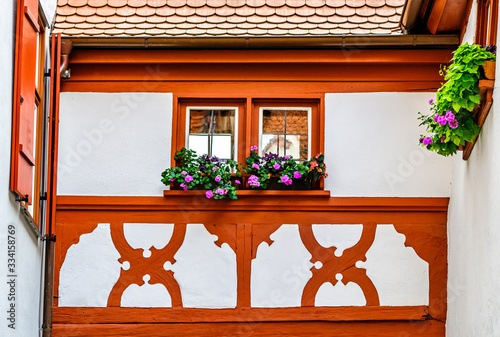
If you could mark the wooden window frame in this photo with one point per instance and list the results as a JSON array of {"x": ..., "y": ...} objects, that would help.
[{"x": 486, "y": 22}]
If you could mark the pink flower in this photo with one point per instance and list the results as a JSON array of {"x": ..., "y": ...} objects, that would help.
[
  {"x": 276, "y": 166},
  {"x": 287, "y": 157},
  {"x": 314, "y": 164},
  {"x": 427, "y": 140},
  {"x": 453, "y": 124},
  {"x": 184, "y": 173},
  {"x": 218, "y": 178},
  {"x": 255, "y": 166},
  {"x": 209, "y": 194},
  {"x": 436, "y": 118},
  {"x": 219, "y": 191},
  {"x": 171, "y": 179},
  {"x": 214, "y": 168},
  {"x": 286, "y": 180},
  {"x": 182, "y": 185},
  {"x": 254, "y": 148},
  {"x": 189, "y": 178},
  {"x": 449, "y": 116},
  {"x": 253, "y": 181},
  {"x": 442, "y": 120},
  {"x": 237, "y": 181},
  {"x": 431, "y": 101},
  {"x": 443, "y": 139},
  {"x": 297, "y": 175}
]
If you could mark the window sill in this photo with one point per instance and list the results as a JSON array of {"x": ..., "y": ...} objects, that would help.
[
  {"x": 252, "y": 193},
  {"x": 481, "y": 112}
]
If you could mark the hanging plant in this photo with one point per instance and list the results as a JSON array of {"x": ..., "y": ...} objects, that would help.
[{"x": 451, "y": 121}]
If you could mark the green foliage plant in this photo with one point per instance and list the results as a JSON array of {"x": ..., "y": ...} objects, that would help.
[{"x": 451, "y": 121}]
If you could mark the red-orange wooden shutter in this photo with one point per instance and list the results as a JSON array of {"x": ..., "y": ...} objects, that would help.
[{"x": 23, "y": 131}]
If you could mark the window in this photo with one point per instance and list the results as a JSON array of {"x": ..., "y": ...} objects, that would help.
[
  {"x": 285, "y": 131},
  {"x": 487, "y": 18},
  {"x": 226, "y": 128},
  {"x": 28, "y": 110},
  {"x": 211, "y": 130}
]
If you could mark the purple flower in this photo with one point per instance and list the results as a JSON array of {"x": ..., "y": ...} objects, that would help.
[
  {"x": 209, "y": 194},
  {"x": 297, "y": 175},
  {"x": 237, "y": 181},
  {"x": 253, "y": 181},
  {"x": 255, "y": 166},
  {"x": 436, "y": 118},
  {"x": 453, "y": 124},
  {"x": 442, "y": 120},
  {"x": 427, "y": 140},
  {"x": 219, "y": 191},
  {"x": 218, "y": 178},
  {"x": 431, "y": 101},
  {"x": 184, "y": 173},
  {"x": 449, "y": 116},
  {"x": 286, "y": 180},
  {"x": 188, "y": 178},
  {"x": 276, "y": 166}
]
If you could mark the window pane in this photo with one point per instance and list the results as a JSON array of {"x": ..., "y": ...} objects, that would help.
[
  {"x": 273, "y": 121},
  {"x": 198, "y": 143},
  {"x": 296, "y": 121},
  {"x": 199, "y": 121},
  {"x": 304, "y": 142},
  {"x": 223, "y": 121},
  {"x": 212, "y": 132},
  {"x": 222, "y": 147},
  {"x": 293, "y": 146},
  {"x": 270, "y": 143}
]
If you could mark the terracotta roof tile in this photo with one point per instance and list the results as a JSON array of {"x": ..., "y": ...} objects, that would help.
[
  {"x": 145, "y": 11},
  {"x": 95, "y": 19},
  {"x": 355, "y": 3},
  {"x": 245, "y": 11},
  {"x": 316, "y": 19},
  {"x": 106, "y": 11},
  {"x": 336, "y": 3},
  {"x": 215, "y": 3},
  {"x": 67, "y": 10},
  {"x": 295, "y": 3},
  {"x": 97, "y": 3},
  {"x": 256, "y": 3},
  {"x": 156, "y": 3},
  {"x": 195, "y": 19},
  {"x": 125, "y": 11},
  {"x": 165, "y": 11},
  {"x": 296, "y": 19},
  {"x": 225, "y": 11},
  {"x": 276, "y": 19},
  {"x": 84, "y": 25},
  {"x": 86, "y": 11},
  {"x": 195, "y": 3},
  {"x": 227, "y": 17},
  {"x": 114, "y": 19},
  {"x": 77, "y": 3},
  {"x": 185, "y": 11},
  {"x": 117, "y": 3},
  {"x": 236, "y": 19}
]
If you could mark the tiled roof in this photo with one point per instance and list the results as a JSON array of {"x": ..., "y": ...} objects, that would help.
[{"x": 224, "y": 18}]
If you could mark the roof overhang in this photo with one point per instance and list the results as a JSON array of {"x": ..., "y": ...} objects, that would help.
[{"x": 327, "y": 42}]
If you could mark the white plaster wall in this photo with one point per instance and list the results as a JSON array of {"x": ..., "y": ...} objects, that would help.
[
  {"x": 29, "y": 250},
  {"x": 371, "y": 147},
  {"x": 114, "y": 143},
  {"x": 474, "y": 235}
]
